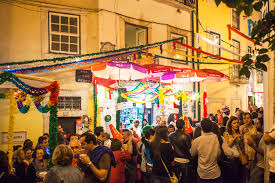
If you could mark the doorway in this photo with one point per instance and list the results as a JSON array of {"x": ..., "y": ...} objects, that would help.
[{"x": 68, "y": 124}]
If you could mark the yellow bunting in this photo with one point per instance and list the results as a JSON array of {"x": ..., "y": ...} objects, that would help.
[
  {"x": 11, "y": 126},
  {"x": 137, "y": 90},
  {"x": 196, "y": 97},
  {"x": 141, "y": 102},
  {"x": 105, "y": 92}
]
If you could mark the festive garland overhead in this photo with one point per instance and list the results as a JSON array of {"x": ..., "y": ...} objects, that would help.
[
  {"x": 59, "y": 59},
  {"x": 36, "y": 94}
]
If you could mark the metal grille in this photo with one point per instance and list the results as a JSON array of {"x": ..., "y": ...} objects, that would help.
[{"x": 69, "y": 103}]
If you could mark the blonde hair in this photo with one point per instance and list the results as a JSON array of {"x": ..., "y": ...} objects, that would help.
[{"x": 62, "y": 155}]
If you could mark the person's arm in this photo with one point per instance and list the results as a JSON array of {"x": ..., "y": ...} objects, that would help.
[
  {"x": 253, "y": 144},
  {"x": 104, "y": 165},
  {"x": 226, "y": 149},
  {"x": 194, "y": 150}
]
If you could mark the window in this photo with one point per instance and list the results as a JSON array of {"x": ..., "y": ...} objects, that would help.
[
  {"x": 64, "y": 36},
  {"x": 216, "y": 38},
  {"x": 249, "y": 50},
  {"x": 260, "y": 77},
  {"x": 69, "y": 103},
  {"x": 235, "y": 19},
  {"x": 135, "y": 35},
  {"x": 236, "y": 67},
  {"x": 180, "y": 48}
]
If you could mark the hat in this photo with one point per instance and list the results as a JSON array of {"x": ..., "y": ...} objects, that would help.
[
  {"x": 225, "y": 110},
  {"x": 145, "y": 129}
]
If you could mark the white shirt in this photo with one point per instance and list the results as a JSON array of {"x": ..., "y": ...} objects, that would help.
[{"x": 271, "y": 151}]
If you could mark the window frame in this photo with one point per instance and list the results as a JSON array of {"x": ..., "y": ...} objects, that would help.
[
  {"x": 63, "y": 102},
  {"x": 50, "y": 32},
  {"x": 184, "y": 49},
  {"x": 139, "y": 26},
  {"x": 238, "y": 19},
  {"x": 219, "y": 43},
  {"x": 236, "y": 67}
]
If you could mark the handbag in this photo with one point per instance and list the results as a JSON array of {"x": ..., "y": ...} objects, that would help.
[{"x": 172, "y": 178}]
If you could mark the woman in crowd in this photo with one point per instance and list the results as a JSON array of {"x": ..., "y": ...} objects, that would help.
[
  {"x": 63, "y": 171},
  {"x": 28, "y": 144},
  {"x": 234, "y": 139},
  {"x": 5, "y": 175},
  {"x": 20, "y": 165},
  {"x": 144, "y": 123},
  {"x": 162, "y": 153},
  {"x": 171, "y": 128},
  {"x": 38, "y": 168},
  {"x": 121, "y": 155}
]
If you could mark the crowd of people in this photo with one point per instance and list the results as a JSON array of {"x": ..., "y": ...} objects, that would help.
[{"x": 220, "y": 148}]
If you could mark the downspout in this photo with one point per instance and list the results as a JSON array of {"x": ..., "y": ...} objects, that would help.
[
  {"x": 193, "y": 60},
  {"x": 198, "y": 65}
]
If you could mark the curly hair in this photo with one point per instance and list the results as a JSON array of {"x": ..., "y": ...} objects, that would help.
[
  {"x": 229, "y": 125},
  {"x": 62, "y": 155}
]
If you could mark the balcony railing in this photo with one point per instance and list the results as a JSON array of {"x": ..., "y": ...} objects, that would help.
[{"x": 190, "y": 3}]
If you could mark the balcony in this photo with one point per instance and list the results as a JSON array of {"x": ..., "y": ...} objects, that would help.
[
  {"x": 180, "y": 4},
  {"x": 235, "y": 78}
]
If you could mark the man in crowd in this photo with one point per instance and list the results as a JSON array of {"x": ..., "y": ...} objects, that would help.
[
  {"x": 44, "y": 144},
  {"x": 135, "y": 128},
  {"x": 131, "y": 165},
  {"x": 182, "y": 143},
  {"x": 269, "y": 139},
  {"x": 99, "y": 132},
  {"x": 98, "y": 159},
  {"x": 249, "y": 132},
  {"x": 207, "y": 148},
  {"x": 76, "y": 147},
  {"x": 60, "y": 135}
]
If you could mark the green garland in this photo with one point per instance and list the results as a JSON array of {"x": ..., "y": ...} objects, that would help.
[
  {"x": 53, "y": 131},
  {"x": 95, "y": 106},
  {"x": 58, "y": 59},
  {"x": 119, "y": 98}
]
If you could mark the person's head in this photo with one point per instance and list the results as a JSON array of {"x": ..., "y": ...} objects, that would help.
[
  {"x": 255, "y": 108},
  {"x": 76, "y": 147},
  {"x": 150, "y": 134},
  {"x": 158, "y": 120},
  {"x": 180, "y": 124},
  {"x": 247, "y": 118},
  {"x": 237, "y": 109},
  {"x": 144, "y": 122},
  {"x": 136, "y": 123},
  {"x": 213, "y": 118},
  {"x": 73, "y": 137},
  {"x": 19, "y": 155},
  {"x": 215, "y": 129},
  {"x": 206, "y": 125},
  {"x": 260, "y": 114},
  {"x": 43, "y": 142},
  {"x": 262, "y": 109},
  {"x": 225, "y": 120},
  {"x": 171, "y": 128},
  {"x": 88, "y": 141},
  {"x": 232, "y": 125},
  {"x": 46, "y": 135},
  {"x": 17, "y": 147},
  {"x": 116, "y": 145},
  {"x": 197, "y": 132},
  {"x": 28, "y": 144},
  {"x": 106, "y": 136},
  {"x": 163, "y": 122},
  {"x": 28, "y": 153},
  {"x": 4, "y": 162},
  {"x": 60, "y": 129},
  {"x": 126, "y": 134},
  {"x": 39, "y": 154},
  {"x": 99, "y": 131},
  {"x": 254, "y": 115},
  {"x": 259, "y": 125},
  {"x": 161, "y": 134},
  {"x": 62, "y": 155}
]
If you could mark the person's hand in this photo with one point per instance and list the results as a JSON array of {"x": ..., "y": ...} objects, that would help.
[
  {"x": 251, "y": 142},
  {"x": 237, "y": 136},
  {"x": 84, "y": 158}
]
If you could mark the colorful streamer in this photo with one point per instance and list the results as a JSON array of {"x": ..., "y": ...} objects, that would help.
[
  {"x": 53, "y": 131},
  {"x": 118, "y": 111}
]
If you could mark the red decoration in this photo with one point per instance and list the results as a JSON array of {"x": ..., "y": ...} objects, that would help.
[
  {"x": 188, "y": 128},
  {"x": 206, "y": 53},
  {"x": 204, "y": 105},
  {"x": 54, "y": 89}
]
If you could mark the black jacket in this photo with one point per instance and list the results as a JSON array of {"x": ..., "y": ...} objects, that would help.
[{"x": 182, "y": 143}]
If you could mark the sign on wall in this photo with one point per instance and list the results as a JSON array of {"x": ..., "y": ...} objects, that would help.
[
  {"x": 83, "y": 76},
  {"x": 19, "y": 137}
]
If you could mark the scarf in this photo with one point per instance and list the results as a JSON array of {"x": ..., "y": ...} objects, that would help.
[{"x": 97, "y": 153}]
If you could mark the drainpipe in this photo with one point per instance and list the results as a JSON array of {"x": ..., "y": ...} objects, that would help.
[
  {"x": 193, "y": 60},
  {"x": 198, "y": 65}
]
